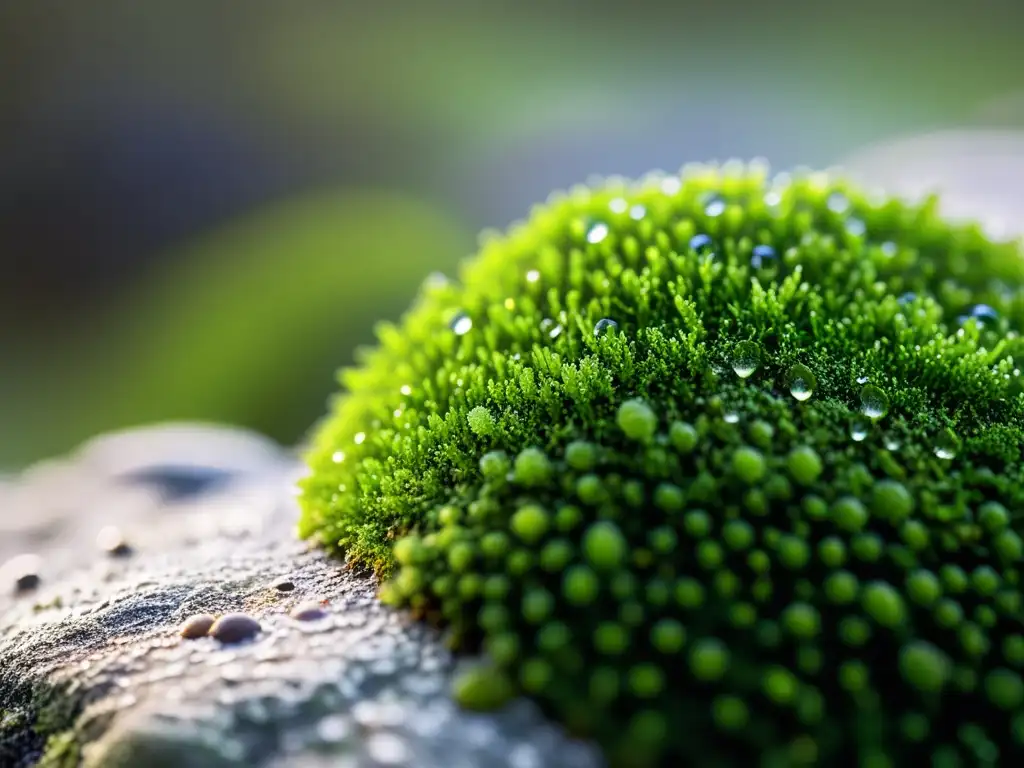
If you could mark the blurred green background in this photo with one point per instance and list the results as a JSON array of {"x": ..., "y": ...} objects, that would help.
[{"x": 205, "y": 207}]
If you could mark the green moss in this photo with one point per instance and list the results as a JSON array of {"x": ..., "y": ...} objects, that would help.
[{"x": 720, "y": 470}]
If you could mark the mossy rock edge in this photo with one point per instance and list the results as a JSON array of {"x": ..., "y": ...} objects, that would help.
[{"x": 721, "y": 469}]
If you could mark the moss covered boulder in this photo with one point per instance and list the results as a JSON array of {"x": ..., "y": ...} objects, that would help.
[{"x": 721, "y": 469}]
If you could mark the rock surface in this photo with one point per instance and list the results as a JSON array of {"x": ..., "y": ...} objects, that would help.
[{"x": 93, "y": 669}]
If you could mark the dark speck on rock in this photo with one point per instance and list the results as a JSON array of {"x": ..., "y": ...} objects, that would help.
[
  {"x": 112, "y": 541},
  {"x": 308, "y": 611},
  {"x": 197, "y": 626},
  {"x": 22, "y": 572},
  {"x": 284, "y": 585},
  {"x": 234, "y": 628}
]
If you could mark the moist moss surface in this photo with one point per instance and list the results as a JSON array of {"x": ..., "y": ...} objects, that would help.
[{"x": 719, "y": 469}]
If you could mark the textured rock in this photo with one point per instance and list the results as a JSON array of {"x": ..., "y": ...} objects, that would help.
[{"x": 92, "y": 665}]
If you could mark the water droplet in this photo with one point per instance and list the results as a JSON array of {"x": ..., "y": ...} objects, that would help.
[
  {"x": 618, "y": 205},
  {"x": 746, "y": 358},
  {"x": 637, "y": 212},
  {"x": 874, "y": 403},
  {"x": 338, "y": 456},
  {"x": 907, "y": 298},
  {"x": 533, "y": 276},
  {"x": 406, "y": 390},
  {"x": 360, "y": 438},
  {"x": 888, "y": 249},
  {"x": 436, "y": 281},
  {"x": 762, "y": 256},
  {"x": 863, "y": 379},
  {"x": 772, "y": 199},
  {"x": 702, "y": 245},
  {"x": 714, "y": 207},
  {"x": 946, "y": 445},
  {"x": 983, "y": 313},
  {"x": 730, "y": 417},
  {"x": 892, "y": 444},
  {"x": 597, "y": 233},
  {"x": 859, "y": 430},
  {"x": 856, "y": 227},
  {"x": 556, "y": 332},
  {"x": 801, "y": 382},
  {"x": 462, "y": 324},
  {"x": 838, "y": 202},
  {"x": 603, "y": 326},
  {"x": 311, "y": 610}
]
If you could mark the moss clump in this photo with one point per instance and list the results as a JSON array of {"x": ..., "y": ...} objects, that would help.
[{"x": 721, "y": 470}]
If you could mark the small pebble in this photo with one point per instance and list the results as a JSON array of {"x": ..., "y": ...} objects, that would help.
[
  {"x": 284, "y": 585},
  {"x": 112, "y": 541},
  {"x": 22, "y": 572},
  {"x": 234, "y": 628},
  {"x": 308, "y": 611},
  {"x": 197, "y": 626}
]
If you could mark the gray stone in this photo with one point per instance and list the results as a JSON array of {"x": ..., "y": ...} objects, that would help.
[{"x": 93, "y": 657}]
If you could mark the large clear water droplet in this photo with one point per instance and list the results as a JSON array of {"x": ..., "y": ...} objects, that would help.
[
  {"x": 598, "y": 232},
  {"x": 874, "y": 403},
  {"x": 946, "y": 445},
  {"x": 746, "y": 358},
  {"x": 714, "y": 207},
  {"x": 462, "y": 324},
  {"x": 603, "y": 326},
  {"x": 763, "y": 256},
  {"x": 801, "y": 382}
]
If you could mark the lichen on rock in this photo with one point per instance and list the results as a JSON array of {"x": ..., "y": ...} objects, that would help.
[{"x": 720, "y": 469}]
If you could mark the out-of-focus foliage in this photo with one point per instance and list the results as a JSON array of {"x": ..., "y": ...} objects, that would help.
[{"x": 246, "y": 325}]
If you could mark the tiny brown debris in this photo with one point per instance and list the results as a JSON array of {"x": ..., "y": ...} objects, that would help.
[
  {"x": 197, "y": 626},
  {"x": 234, "y": 628}
]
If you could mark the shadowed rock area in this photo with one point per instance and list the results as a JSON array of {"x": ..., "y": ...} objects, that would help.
[{"x": 141, "y": 530}]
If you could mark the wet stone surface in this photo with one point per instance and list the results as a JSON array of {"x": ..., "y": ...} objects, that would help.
[{"x": 332, "y": 678}]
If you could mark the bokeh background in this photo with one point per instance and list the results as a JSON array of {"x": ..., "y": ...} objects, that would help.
[{"x": 206, "y": 206}]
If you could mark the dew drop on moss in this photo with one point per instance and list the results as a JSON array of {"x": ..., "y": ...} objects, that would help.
[
  {"x": 762, "y": 256},
  {"x": 859, "y": 430},
  {"x": 888, "y": 249},
  {"x": 731, "y": 417},
  {"x": 801, "y": 382},
  {"x": 462, "y": 324},
  {"x": 856, "y": 227},
  {"x": 701, "y": 245},
  {"x": 603, "y": 326},
  {"x": 597, "y": 233},
  {"x": 874, "y": 403},
  {"x": 946, "y": 445},
  {"x": 637, "y": 212},
  {"x": 714, "y": 207},
  {"x": 838, "y": 202},
  {"x": 533, "y": 276},
  {"x": 618, "y": 205},
  {"x": 746, "y": 358},
  {"x": 983, "y": 313},
  {"x": 907, "y": 298}
]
